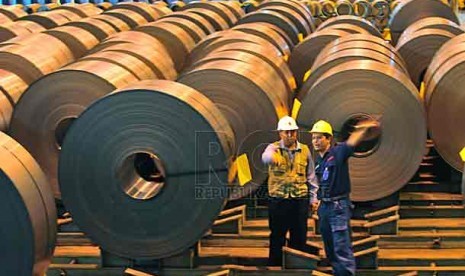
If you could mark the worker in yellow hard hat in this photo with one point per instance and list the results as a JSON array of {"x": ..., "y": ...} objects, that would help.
[
  {"x": 291, "y": 179},
  {"x": 334, "y": 211}
]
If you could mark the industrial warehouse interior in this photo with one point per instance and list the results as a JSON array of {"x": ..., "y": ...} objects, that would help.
[{"x": 169, "y": 138}]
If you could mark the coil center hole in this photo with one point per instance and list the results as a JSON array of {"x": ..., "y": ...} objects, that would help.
[
  {"x": 61, "y": 130},
  {"x": 142, "y": 175},
  {"x": 370, "y": 144}
]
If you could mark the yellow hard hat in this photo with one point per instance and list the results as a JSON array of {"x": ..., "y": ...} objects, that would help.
[{"x": 322, "y": 127}]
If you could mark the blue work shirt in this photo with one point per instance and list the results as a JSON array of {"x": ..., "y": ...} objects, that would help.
[{"x": 332, "y": 171}]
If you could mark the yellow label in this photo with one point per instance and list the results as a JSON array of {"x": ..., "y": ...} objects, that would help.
[
  {"x": 300, "y": 36},
  {"x": 243, "y": 169},
  {"x": 462, "y": 154},
  {"x": 422, "y": 90},
  {"x": 286, "y": 58},
  {"x": 307, "y": 75},
  {"x": 296, "y": 108},
  {"x": 387, "y": 34},
  {"x": 292, "y": 83}
]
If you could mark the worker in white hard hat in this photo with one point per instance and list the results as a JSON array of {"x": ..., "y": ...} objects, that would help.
[
  {"x": 334, "y": 210},
  {"x": 291, "y": 182}
]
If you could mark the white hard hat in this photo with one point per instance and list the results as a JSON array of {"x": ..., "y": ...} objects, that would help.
[{"x": 287, "y": 123}]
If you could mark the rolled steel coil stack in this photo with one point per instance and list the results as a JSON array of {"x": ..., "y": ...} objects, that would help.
[
  {"x": 444, "y": 100},
  {"x": 359, "y": 76},
  {"x": 409, "y": 11},
  {"x": 305, "y": 53},
  {"x": 29, "y": 219},
  {"x": 420, "y": 41},
  {"x": 155, "y": 180},
  {"x": 62, "y": 45}
]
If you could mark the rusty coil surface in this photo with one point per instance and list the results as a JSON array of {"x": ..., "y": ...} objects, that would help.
[
  {"x": 199, "y": 20},
  {"x": 434, "y": 23},
  {"x": 29, "y": 226},
  {"x": 355, "y": 89},
  {"x": 304, "y": 54},
  {"x": 127, "y": 206},
  {"x": 407, "y": 12},
  {"x": 351, "y": 19},
  {"x": 443, "y": 100},
  {"x": 241, "y": 89},
  {"x": 274, "y": 18},
  {"x": 418, "y": 49}
]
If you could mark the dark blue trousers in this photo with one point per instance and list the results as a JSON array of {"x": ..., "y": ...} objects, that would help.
[{"x": 334, "y": 219}]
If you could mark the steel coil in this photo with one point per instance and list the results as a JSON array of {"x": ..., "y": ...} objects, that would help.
[
  {"x": 222, "y": 10},
  {"x": 407, "y": 12},
  {"x": 142, "y": 200},
  {"x": 328, "y": 60},
  {"x": 443, "y": 101},
  {"x": 344, "y": 7},
  {"x": 434, "y": 23},
  {"x": 364, "y": 41},
  {"x": 79, "y": 41},
  {"x": 50, "y": 105},
  {"x": 29, "y": 225},
  {"x": 418, "y": 49},
  {"x": 12, "y": 87},
  {"x": 118, "y": 24},
  {"x": 177, "y": 41},
  {"x": 141, "y": 8},
  {"x": 239, "y": 90},
  {"x": 353, "y": 90},
  {"x": 99, "y": 28},
  {"x": 274, "y": 18},
  {"x": 131, "y": 18},
  {"x": 83, "y": 10},
  {"x": 362, "y": 8},
  {"x": 213, "y": 18},
  {"x": 304, "y": 54},
  {"x": 298, "y": 20},
  {"x": 12, "y": 12},
  {"x": 198, "y": 20},
  {"x": 223, "y": 38},
  {"x": 269, "y": 32},
  {"x": 353, "y": 20},
  {"x": 296, "y": 6},
  {"x": 47, "y": 20},
  {"x": 194, "y": 31}
]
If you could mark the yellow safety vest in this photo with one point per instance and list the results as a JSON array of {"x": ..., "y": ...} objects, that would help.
[{"x": 289, "y": 180}]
